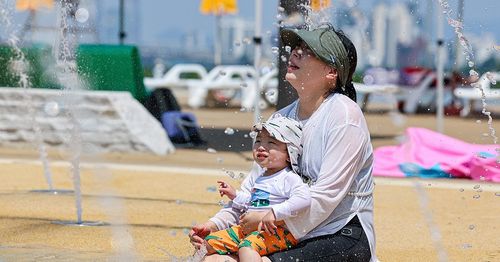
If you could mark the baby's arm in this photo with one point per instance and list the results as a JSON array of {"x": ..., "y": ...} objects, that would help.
[
  {"x": 229, "y": 215},
  {"x": 299, "y": 198}
]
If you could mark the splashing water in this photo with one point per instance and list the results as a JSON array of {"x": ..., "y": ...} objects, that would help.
[
  {"x": 229, "y": 131},
  {"x": 469, "y": 56},
  {"x": 315, "y": 19},
  {"x": 435, "y": 233},
  {"x": 196, "y": 257},
  {"x": 20, "y": 69},
  {"x": 68, "y": 77}
]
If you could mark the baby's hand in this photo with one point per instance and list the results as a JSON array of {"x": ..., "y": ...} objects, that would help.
[
  {"x": 226, "y": 189},
  {"x": 267, "y": 223}
]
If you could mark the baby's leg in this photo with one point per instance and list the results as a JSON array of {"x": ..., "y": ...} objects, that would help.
[
  {"x": 224, "y": 242},
  {"x": 210, "y": 249},
  {"x": 247, "y": 254},
  {"x": 262, "y": 243}
]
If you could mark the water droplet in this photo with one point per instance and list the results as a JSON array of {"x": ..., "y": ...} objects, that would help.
[
  {"x": 281, "y": 9},
  {"x": 262, "y": 104},
  {"x": 299, "y": 51},
  {"x": 211, "y": 189},
  {"x": 466, "y": 245},
  {"x": 288, "y": 48},
  {"x": 476, "y": 196},
  {"x": 245, "y": 135},
  {"x": 229, "y": 146},
  {"x": 275, "y": 49},
  {"x": 283, "y": 58},
  {"x": 476, "y": 186},
  {"x": 51, "y": 108},
  {"x": 231, "y": 174},
  {"x": 173, "y": 233},
  {"x": 461, "y": 190},
  {"x": 497, "y": 194},
  {"x": 237, "y": 43},
  {"x": 179, "y": 202},
  {"x": 211, "y": 150},
  {"x": 471, "y": 227},
  {"x": 185, "y": 231},
  {"x": 229, "y": 131},
  {"x": 243, "y": 85},
  {"x": 491, "y": 78},
  {"x": 82, "y": 15},
  {"x": 368, "y": 79},
  {"x": 220, "y": 160},
  {"x": 270, "y": 93},
  {"x": 478, "y": 121},
  {"x": 221, "y": 203},
  {"x": 241, "y": 175},
  {"x": 473, "y": 73},
  {"x": 471, "y": 64},
  {"x": 246, "y": 40}
]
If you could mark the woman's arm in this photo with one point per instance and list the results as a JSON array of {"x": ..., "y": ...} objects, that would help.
[{"x": 344, "y": 156}]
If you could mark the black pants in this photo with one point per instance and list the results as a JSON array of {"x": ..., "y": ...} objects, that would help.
[{"x": 348, "y": 244}]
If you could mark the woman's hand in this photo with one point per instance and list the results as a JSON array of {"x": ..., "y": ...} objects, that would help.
[
  {"x": 226, "y": 189},
  {"x": 267, "y": 223},
  {"x": 199, "y": 232},
  {"x": 249, "y": 221}
]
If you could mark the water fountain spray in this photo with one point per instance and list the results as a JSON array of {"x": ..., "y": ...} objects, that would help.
[
  {"x": 20, "y": 67},
  {"x": 68, "y": 76},
  {"x": 469, "y": 56}
]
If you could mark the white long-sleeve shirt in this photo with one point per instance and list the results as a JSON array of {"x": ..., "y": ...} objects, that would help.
[
  {"x": 283, "y": 192},
  {"x": 338, "y": 157}
]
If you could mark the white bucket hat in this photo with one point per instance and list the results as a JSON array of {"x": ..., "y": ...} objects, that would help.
[{"x": 288, "y": 131}]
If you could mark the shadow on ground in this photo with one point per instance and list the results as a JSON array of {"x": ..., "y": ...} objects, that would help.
[{"x": 240, "y": 141}]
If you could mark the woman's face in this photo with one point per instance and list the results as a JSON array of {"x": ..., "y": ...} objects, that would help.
[
  {"x": 305, "y": 70},
  {"x": 270, "y": 153}
]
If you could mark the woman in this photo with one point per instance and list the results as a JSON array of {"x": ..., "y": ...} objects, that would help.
[{"x": 337, "y": 156}]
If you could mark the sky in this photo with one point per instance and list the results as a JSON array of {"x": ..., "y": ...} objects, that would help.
[
  {"x": 164, "y": 19},
  {"x": 480, "y": 16}
]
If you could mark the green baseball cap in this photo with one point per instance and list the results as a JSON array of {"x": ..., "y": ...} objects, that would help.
[{"x": 325, "y": 44}]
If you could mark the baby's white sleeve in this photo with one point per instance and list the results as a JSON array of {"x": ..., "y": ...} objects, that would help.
[{"x": 299, "y": 198}]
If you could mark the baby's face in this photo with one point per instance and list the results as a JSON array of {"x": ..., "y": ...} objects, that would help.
[{"x": 270, "y": 153}]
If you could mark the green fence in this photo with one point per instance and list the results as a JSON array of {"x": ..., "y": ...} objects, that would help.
[
  {"x": 112, "y": 67},
  {"x": 38, "y": 57}
]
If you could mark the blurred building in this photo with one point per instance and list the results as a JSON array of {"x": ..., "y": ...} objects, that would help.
[
  {"x": 237, "y": 35},
  {"x": 394, "y": 34}
]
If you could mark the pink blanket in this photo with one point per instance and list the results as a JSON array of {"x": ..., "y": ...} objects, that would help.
[{"x": 430, "y": 154}]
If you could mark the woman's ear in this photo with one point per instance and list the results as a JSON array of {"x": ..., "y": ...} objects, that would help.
[{"x": 331, "y": 74}]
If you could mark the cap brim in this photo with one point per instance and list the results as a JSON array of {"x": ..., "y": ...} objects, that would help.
[
  {"x": 273, "y": 132},
  {"x": 292, "y": 38}
]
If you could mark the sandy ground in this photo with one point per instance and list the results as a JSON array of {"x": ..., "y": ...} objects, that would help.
[{"x": 147, "y": 203}]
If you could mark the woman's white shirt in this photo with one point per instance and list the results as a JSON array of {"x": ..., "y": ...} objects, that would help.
[{"x": 338, "y": 158}]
